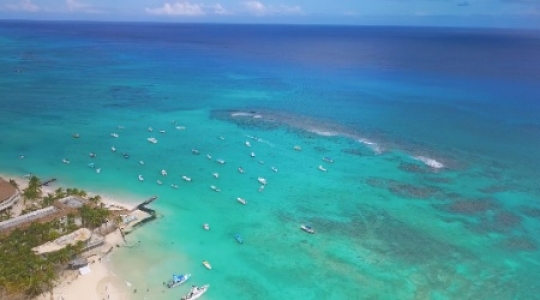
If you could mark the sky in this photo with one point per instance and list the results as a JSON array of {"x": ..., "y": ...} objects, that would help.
[{"x": 458, "y": 13}]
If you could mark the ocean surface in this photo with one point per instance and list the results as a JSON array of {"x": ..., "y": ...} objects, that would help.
[{"x": 434, "y": 134}]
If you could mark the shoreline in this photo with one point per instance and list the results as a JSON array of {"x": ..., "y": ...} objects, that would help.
[{"x": 101, "y": 282}]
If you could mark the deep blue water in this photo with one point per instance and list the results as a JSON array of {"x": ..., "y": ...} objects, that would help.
[{"x": 435, "y": 134}]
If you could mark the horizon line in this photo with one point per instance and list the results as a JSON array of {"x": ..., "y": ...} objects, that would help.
[{"x": 330, "y": 24}]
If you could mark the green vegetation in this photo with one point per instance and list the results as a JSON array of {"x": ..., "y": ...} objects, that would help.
[
  {"x": 24, "y": 274},
  {"x": 33, "y": 190}
]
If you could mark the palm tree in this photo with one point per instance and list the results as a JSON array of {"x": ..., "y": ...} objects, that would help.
[
  {"x": 35, "y": 183},
  {"x": 33, "y": 190},
  {"x": 59, "y": 193},
  {"x": 96, "y": 199},
  {"x": 82, "y": 193},
  {"x": 47, "y": 200},
  {"x": 8, "y": 214}
]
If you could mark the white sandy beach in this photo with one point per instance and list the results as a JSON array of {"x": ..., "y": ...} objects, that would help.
[{"x": 100, "y": 283}]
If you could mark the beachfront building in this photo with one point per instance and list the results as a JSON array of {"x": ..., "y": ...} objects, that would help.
[
  {"x": 28, "y": 218},
  {"x": 9, "y": 195},
  {"x": 79, "y": 235},
  {"x": 60, "y": 209}
]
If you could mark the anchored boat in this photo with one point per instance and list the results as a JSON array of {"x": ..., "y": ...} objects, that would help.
[
  {"x": 207, "y": 264},
  {"x": 177, "y": 280},
  {"x": 238, "y": 238},
  {"x": 307, "y": 228},
  {"x": 196, "y": 292}
]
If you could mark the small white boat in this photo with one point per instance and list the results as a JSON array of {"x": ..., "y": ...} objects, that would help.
[
  {"x": 141, "y": 178},
  {"x": 248, "y": 144},
  {"x": 216, "y": 175},
  {"x": 327, "y": 159},
  {"x": 240, "y": 170},
  {"x": 150, "y": 129},
  {"x": 162, "y": 131},
  {"x": 307, "y": 228},
  {"x": 206, "y": 226},
  {"x": 252, "y": 154},
  {"x": 188, "y": 179},
  {"x": 274, "y": 169},
  {"x": 98, "y": 170},
  {"x": 215, "y": 189},
  {"x": 261, "y": 162},
  {"x": 196, "y": 292},
  {"x": 208, "y": 156},
  {"x": 221, "y": 161},
  {"x": 207, "y": 264},
  {"x": 241, "y": 200},
  {"x": 262, "y": 180},
  {"x": 92, "y": 155},
  {"x": 159, "y": 182},
  {"x": 152, "y": 140},
  {"x": 221, "y": 138},
  {"x": 174, "y": 186},
  {"x": 321, "y": 168},
  {"x": 180, "y": 127},
  {"x": 141, "y": 162},
  {"x": 195, "y": 151},
  {"x": 113, "y": 149},
  {"x": 65, "y": 160},
  {"x": 163, "y": 172},
  {"x": 114, "y": 135},
  {"x": 297, "y": 148},
  {"x": 261, "y": 188}
]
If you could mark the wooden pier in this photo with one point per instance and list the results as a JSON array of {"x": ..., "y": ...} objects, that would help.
[{"x": 46, "y": 182}]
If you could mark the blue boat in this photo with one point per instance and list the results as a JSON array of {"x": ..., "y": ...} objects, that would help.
[
  {"x": 238, "y": 238},
  {"x": 177, "y": 280}
]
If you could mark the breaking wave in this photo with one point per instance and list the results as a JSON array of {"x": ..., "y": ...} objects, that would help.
[
  {"x": 272, "y": 119},
  {"x": 430, "y": 162}
]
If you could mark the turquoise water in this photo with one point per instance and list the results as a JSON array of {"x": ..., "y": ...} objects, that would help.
[{"x": 388, "y": 226}]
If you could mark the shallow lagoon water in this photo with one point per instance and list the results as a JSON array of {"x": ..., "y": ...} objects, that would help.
[{"x": 388, "y": 225}]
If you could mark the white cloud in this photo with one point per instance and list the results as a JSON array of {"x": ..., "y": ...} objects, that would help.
[
  {"x": 178, "y": 9},
  {"x": 256, "y": 7},
  {"x": 23, "y": 5},
  {"x": 260, "y": 9},
  {"x": 75, "y": 6},
  {"x": 219, "y": 10}
]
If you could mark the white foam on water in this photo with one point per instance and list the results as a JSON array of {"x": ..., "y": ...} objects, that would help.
[
  {"x": 372, "y": 145},
  {"x": 430, "y": 162},
  {"x": 322, "y": 132},
  {"x": 241, "y": 114}
]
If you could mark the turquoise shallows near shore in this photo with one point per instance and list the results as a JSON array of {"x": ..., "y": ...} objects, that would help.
[{"x": 432, "y": 192}]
